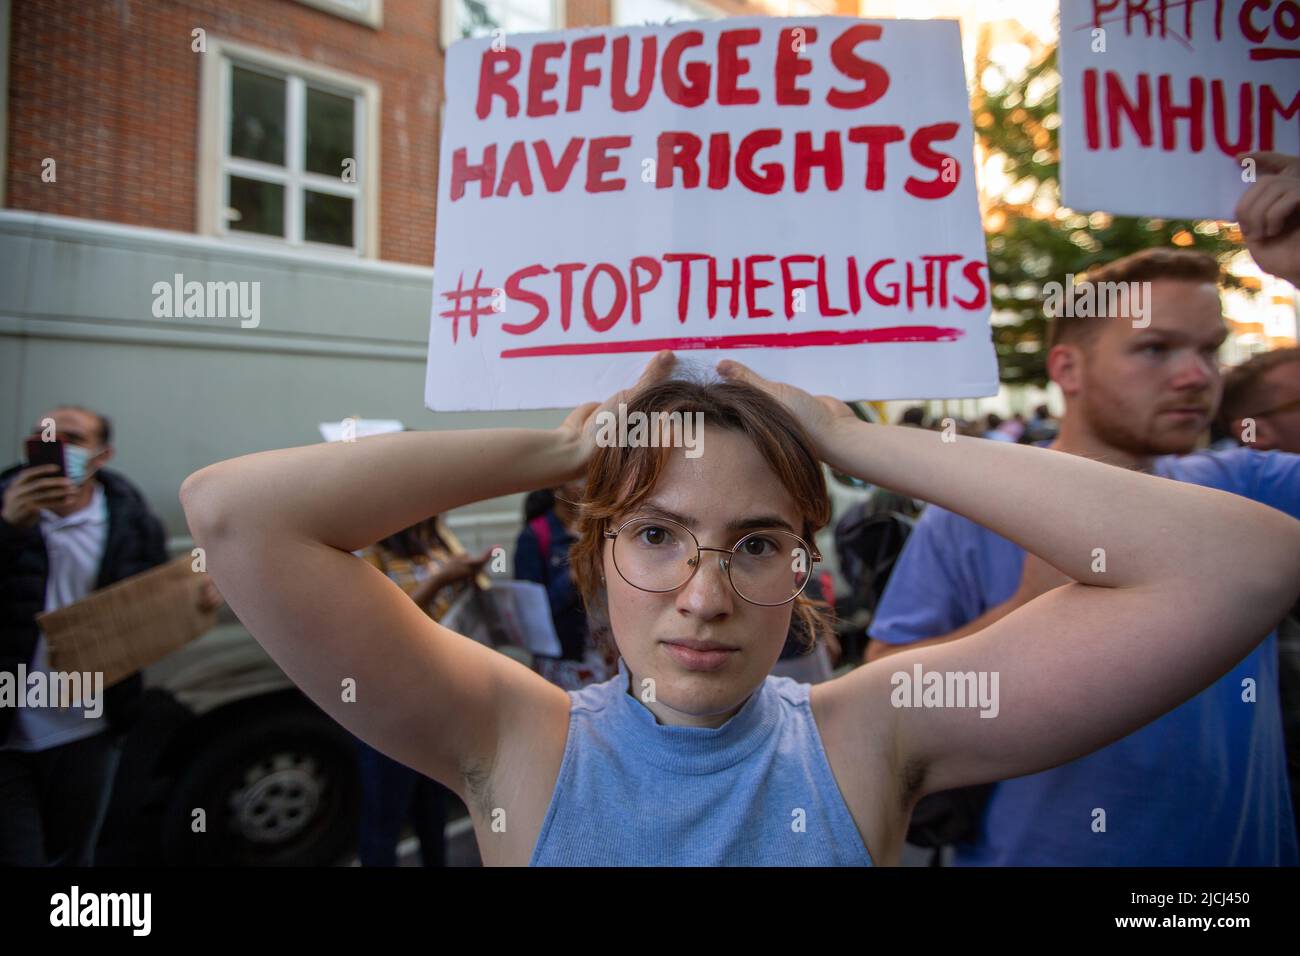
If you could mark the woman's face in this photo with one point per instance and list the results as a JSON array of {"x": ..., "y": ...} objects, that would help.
[{"x": 720, "y": 496}]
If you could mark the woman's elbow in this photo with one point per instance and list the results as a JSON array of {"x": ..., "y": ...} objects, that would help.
[{"x": 201, "y": 500}]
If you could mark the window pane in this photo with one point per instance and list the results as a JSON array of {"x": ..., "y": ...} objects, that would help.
[
  {"x": 638, "y": 12},
  {"x": 328, "y": 218},
  {"x": 260, "y": 206},
  {"x": 475, "y": 18},
  {"x": 257, "y": 116},
  {"x": 329, "y": 132},
  {"x": 478, "y": 18},
  {"x": 526, "y": 21}
]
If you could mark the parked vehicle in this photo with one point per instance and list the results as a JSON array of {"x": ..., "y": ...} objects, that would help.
[{"x": 230, "y": 764}]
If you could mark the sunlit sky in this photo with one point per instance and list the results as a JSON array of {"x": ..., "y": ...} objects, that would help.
[{"x": 1036, "y": 16}]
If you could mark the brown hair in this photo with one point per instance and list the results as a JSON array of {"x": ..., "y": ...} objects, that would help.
[
  {"x": 416, "y": 540},
  {"x": 619, "y": 479},
  {"x": 1145, "y": 266},
  {"x": 1240, "y": 383}
]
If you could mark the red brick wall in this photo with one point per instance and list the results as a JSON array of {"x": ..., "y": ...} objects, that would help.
[{"x": 110, "y": 90}]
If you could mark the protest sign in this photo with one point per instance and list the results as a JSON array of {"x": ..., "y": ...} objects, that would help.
[
  {"x": 123, "y": 628},
  {"x": 1159, "y": 98},
  {"x": 796, "y": 194}
]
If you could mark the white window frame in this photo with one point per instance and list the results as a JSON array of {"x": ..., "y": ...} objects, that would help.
[
  {"x": 372, "y": 15},
  {"x": 450, "y": 9},
  {"x": 215, "y": 161}
]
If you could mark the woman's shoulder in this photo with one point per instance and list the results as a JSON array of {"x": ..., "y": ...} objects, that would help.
[
  {"x": 594, "y": 698},
  {"x": 787, "y": 691}
]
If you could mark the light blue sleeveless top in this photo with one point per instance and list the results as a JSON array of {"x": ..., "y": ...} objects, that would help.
[{"x": 757, "y": 791}]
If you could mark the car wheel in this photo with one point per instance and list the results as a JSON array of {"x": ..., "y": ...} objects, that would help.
[{"x": 279, "y": 789}]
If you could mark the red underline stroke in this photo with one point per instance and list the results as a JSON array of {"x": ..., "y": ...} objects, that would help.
[{"x": 780, "y": 340}]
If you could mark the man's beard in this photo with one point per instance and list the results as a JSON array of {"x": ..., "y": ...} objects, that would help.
[{"x": 1136, "y": 434}]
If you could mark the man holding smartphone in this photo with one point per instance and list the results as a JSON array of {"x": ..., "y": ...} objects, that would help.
[{"x": 68, "y": 527}]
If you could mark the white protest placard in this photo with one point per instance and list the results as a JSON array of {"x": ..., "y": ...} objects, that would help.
[
  {"x": 1159, "y": 98},
  {"x": 796, "y": 194}
]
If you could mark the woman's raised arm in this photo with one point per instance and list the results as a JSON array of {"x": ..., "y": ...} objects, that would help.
[
  {"x": 278, "y": 528},
  {"x": 1193, "y": 579}
]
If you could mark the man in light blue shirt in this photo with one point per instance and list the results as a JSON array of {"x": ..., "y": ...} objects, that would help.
[{"x": 1206, "y": 784}]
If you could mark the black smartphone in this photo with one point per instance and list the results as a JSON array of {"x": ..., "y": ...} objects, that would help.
[{"x": 46, "y": 453}]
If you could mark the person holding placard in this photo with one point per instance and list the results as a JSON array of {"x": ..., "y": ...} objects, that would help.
[
  {"x": 69, "y": 526},
  {"x": 693, "y": 754}
]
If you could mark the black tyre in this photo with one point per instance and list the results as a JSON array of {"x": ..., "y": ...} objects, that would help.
[{"x": 278, "y": 788}]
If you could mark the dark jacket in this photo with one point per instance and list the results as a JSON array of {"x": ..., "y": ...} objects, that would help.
[
  {"x": 552, "y": 571},
  {"x": 136, "y": 542}
]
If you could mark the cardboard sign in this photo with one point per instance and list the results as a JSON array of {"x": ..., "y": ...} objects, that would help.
[
  {"x": 125, "y": 627},
  {"x": 796, "y": 194},
  {"x": 1157, "y": 100}
]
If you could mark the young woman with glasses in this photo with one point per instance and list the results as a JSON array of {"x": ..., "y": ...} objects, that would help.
[{"x": 693, "y": 755}]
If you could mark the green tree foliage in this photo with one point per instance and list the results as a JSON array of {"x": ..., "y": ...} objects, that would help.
[{"x": 1036, "y": 241}]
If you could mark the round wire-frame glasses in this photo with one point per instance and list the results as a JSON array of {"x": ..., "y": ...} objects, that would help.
[{"x": 761, "y": 585}]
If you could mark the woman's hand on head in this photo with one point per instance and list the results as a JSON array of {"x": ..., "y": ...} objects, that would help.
[
  {"x": 581, "y": 423},
  {"x": 818, "y": 414}
]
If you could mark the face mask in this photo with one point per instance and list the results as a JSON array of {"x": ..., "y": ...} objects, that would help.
[{"x": 75, "y": 459}]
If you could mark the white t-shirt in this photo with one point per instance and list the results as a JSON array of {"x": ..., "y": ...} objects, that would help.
[{"x": 75, "y": 545}]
